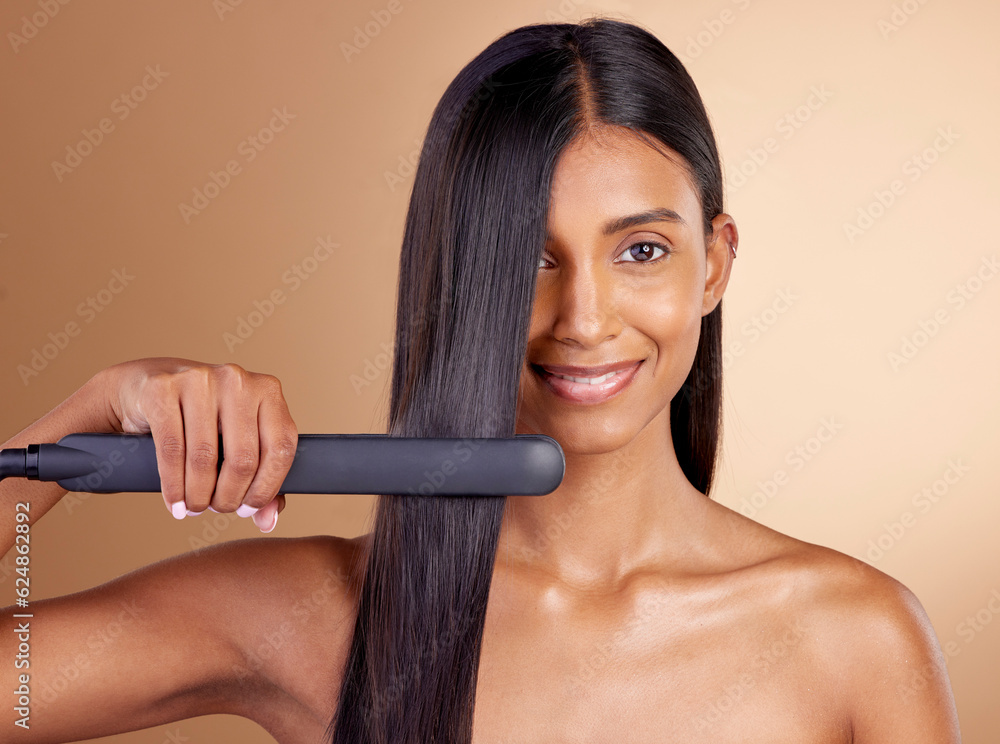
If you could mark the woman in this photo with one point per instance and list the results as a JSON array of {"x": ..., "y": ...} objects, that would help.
[{"x": 562, "y": 270}]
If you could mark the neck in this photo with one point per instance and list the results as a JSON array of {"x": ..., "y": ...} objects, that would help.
[{"x": 614, "y": 513}]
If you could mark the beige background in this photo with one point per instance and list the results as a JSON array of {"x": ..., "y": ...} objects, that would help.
[{"x": 830, "y": 306}]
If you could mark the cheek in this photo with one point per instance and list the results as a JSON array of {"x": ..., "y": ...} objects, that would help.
[
  {"x": 663, "y": 311},
  {"x": 670, "y": 317}
]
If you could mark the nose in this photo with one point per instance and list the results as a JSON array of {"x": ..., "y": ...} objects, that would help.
[{"x": 586, "y": 304}]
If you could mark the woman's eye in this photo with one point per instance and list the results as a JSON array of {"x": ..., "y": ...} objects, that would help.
[{"x": 643, "y": 252}]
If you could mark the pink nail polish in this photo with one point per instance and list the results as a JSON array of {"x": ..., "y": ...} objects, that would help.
[{"x": 274, "y": 523}]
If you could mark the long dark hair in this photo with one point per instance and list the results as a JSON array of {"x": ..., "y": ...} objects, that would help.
[{"x": 474, "y": 234}]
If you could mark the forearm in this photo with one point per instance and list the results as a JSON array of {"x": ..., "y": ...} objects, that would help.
[{"x": 84, "y": 410}]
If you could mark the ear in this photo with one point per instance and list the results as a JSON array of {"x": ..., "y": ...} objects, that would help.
[{"x": 721, "y": 250}]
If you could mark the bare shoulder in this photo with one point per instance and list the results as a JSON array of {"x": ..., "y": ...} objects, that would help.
[
  {"x": 866, "y": 630},
  {"x": 876, "y": 634}
]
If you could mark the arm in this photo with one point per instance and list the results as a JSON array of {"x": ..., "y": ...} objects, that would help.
[
  {"x": 84, "y": 410},
  {"x": 188, "y": 636},
  {"x": 135, "y": 652}
]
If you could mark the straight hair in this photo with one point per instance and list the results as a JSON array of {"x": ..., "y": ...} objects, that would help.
[{"x": 475, "y": 230}]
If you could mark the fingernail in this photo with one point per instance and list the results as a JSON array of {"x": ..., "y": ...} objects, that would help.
[
  {"x": 178, "y": 509},
  {"x": 274, "y": 523},
  {"x": 246, "y": 510}
]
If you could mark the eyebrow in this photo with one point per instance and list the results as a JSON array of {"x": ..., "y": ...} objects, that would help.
[{"x": 659, "y": 214}]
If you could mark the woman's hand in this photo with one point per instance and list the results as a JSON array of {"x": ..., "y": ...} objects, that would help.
[{"x": 185, "y": 405}]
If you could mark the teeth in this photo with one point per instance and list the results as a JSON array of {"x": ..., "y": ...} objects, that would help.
[{"x": 589, "y": 380}]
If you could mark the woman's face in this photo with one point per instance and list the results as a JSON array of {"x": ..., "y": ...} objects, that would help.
[{"x": 626, "y": 275}]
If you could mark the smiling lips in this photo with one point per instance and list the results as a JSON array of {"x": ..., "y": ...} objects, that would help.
[{"x": 587, "y": 384}]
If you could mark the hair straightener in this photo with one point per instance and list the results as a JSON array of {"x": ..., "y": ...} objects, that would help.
[{"x": 523, "y": 465}]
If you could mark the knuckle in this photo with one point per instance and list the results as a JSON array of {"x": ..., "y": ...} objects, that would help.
[
  {"x": 232, "y": 372},
  {"x": 285, "y": 445},
  {"x": 243, "y": 463},
  {"x": 171, "y": 449},
  {"x": 229, "y": 377},
  {"x": 203, "y": 457},
  {"x": 270, "y": 386},
  {"x": 197, "y": 375}
]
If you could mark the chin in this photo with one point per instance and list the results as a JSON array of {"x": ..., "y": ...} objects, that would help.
[{"x": 584, "y": 435}]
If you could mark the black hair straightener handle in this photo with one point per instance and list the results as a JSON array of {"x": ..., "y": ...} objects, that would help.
[{"x": 523, "y": 465}]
